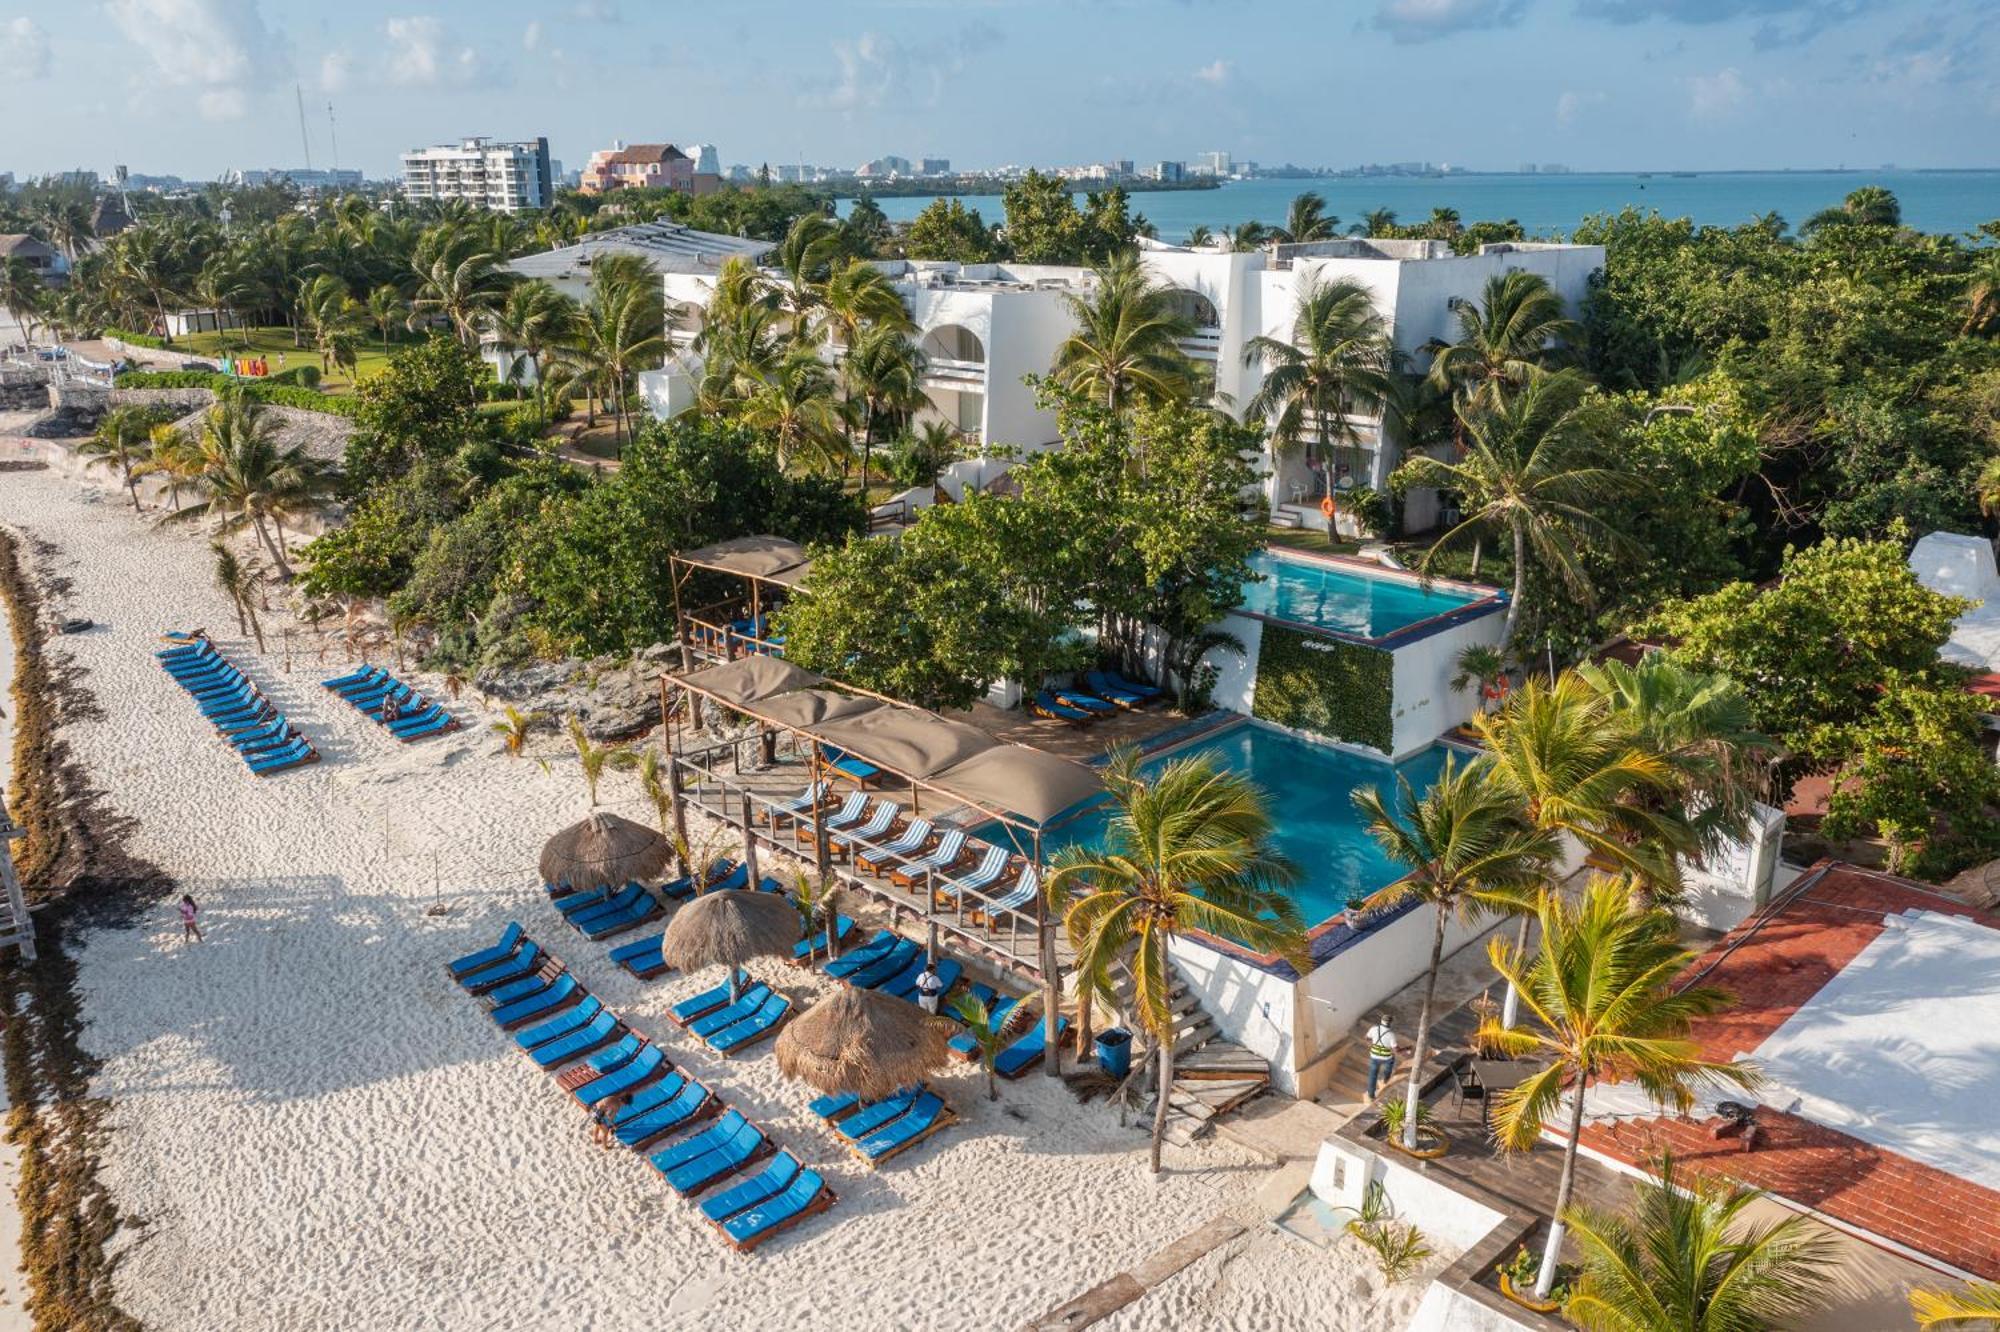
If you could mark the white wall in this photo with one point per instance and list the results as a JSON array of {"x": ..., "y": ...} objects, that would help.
[
  {"x": 1733, "y": 884},
  {"x": 1236, "y": 683},
  {"x": 1343, "y": 1171},
  {"x": 1424, "y": 705}
]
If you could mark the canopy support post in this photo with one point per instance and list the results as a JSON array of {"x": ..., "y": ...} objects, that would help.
[
  {"x": 822, "y": 859},
  {"x": 683, "y": 851},
  {"x": 680, "y": 620},
  {"x": 1051, "y": 980},
  {"x": 750, "y": 845}
]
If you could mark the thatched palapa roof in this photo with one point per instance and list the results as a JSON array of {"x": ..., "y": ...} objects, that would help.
[
  {"x": 865, "y": 1042},
  {"x": 730, "y": 927},
  {"x": 604, "y": 851}
]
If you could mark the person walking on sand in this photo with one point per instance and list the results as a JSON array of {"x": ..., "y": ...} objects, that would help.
[
  {"x": 930, "y": 987},
  {"x": 189, "y": 930},
  {"x": 604, "y": 1124}
]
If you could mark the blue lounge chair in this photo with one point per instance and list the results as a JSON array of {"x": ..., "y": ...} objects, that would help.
[
  {"x": 928, "y": 1115},
  {"x": 700, "y": 1144},
  {"x": 361, "y": 676},
  {"x": 770, "y": 1015},
  {"x": 904, "y": 984},
  {"x": 439, "y": 723},
  {"x": 687, "y": 1010},
  {"x": 641, "y": 957},
  {"x": 636, "y": 912},
  {"x": 1131, "y": 686},
  {"x": 1090, "y": 703},
  {"x": 510, "y": 939},
  {"x": 564, "y": 992},
  {"x": 1100, "y": 685},
  {"x": 575, "y": 904},
  {"x": 612, "y": 904},
  {"x": 849, "y": 963},
  {"x": 593, "y": 1033},
  {"x": 869, "y": 1118},
  {"x": 964, "y": 1046},
  {"x": 737, "y": 877},
  {"x": 523, "y": 963},
  {"x": 807, "y": 1195},
  {"x": 249, "y": 717},
  {"x": 734, "y": 1151},
  {"x": 859, "y": 771},
  {"x": 691, "y": 1104},
  {"x": 650, "y": 1063},
  {"x": 773, "y": 1180},
  {"x": 709, "y": 1023},
  {"x": 834, "y": 1107},
  {"x": 1027, "y": 1051},
  {"x": 949, "y": 851},
  {"x": 1048, "y": 705},
  {"x": 270, "y": 732},
  {"x": 912, "y": 840},
  {"x": 856, "y": 805},
  {"x": 292, "y": 756},
  {"x": 886, "y": 966},
  {"x": 798, "y": 806},
  {"x": 886, "y": 812},
  {"x": 806, "y": 949},
  {"x": 372, "y": 704},
  {"x": 609, "y": 1058},
  {"x": 522, "y": 986}
]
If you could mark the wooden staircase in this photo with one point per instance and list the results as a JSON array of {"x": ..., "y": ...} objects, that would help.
[{"x": 1212, "y": 1076}]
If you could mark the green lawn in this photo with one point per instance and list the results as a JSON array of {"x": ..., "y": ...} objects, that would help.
[{"x": 269, "y": 342}]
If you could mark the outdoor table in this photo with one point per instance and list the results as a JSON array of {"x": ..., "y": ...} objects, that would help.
[{"x": 1498, "y": 1075}]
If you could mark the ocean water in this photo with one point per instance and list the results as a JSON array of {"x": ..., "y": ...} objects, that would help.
[
  {"x": 1938, "y": 201},
  {"x": 1345, "y": 600}
]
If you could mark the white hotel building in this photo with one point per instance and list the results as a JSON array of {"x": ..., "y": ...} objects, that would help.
[
  {"x": 504, "y": 177},
  {"x": 984, "y": 327}
]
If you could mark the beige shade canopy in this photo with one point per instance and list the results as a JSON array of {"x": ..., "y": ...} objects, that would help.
[
  {"x": 604, "y": 851},
  {"x": 793, "y": 576},
  {"x": 910, "y": 742},
  {"x": 729, "y": 927},
  {"x": 864, "y": 1042},
  {"x": 751, "y": 679},
  {"x": 750, "y": 556},
  {"x": 806, "y": 708},
  {"x": 1028, "y": 783}
]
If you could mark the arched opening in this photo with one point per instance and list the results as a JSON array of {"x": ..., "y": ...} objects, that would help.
[
  {"x": 1195, "y": 307},
  {"x": 953, "y": 342}
]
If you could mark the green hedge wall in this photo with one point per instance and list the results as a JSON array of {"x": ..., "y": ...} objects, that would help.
[
  {"x": 132, "y": 339},
  {"x": 1339, "y": 690},
  {"x": 282, "y": 395}
]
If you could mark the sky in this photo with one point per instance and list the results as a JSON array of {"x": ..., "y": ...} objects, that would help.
[{"x": 198, "y": 87}]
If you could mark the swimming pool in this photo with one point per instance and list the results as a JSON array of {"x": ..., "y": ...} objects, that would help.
[
  {"x": 1310, "y": 789},
  {"x": 1344, "y": 598}
]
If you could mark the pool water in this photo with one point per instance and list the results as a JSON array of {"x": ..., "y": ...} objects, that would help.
[
  {"x": 1342, "y": 599},
  {"x": 1309, "y": 788}
]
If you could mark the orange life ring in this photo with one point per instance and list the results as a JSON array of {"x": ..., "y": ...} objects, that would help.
[{"x": 1326, "y": 507}]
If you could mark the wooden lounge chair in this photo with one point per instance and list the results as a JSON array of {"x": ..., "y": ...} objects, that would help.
[
  {"x": 928, "y": 1114},
  {"x": 807, "y": 1195}
]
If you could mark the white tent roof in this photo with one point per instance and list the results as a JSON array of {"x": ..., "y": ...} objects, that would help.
[{"x": 1962, "y": 566}]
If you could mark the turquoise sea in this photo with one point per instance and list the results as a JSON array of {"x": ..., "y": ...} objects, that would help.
[{"x": 1942, "y": 201}]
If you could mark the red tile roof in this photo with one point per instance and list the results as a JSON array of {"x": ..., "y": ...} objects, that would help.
[{"x": 1772, "y": 965}]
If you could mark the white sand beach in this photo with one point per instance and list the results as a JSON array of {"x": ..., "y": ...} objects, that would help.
[{"x": 314, "y": 1128}]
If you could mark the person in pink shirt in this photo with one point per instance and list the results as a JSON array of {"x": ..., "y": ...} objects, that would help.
[{"x": 189, "y": 930}]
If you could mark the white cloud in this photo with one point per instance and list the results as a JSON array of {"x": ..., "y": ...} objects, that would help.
[
  {"x": 1717, "y": 96},
  {"x": 1573, "y": 104},
  {"x": 24, "y": 50},
  {"x": 335, "y": 67},
  {"x": 219, "y": 48},
  {"x": 532, "y": 38},
  {"x": 421, "y": 54},
  {"x": 1215, "y": 74},
  {"x": 1428, "y": 20},
  {"x": 881, "y": 71}
]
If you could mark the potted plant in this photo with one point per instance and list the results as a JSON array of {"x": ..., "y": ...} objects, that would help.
[
  {"x": 1431, "y": 1142},
  {"x": 1517, "y": 1283},
  {"x": 1357, "y": 909},
  {"x": 1484, "y": 665}
]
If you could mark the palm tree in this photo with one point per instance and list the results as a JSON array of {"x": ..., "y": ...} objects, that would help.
[
  {"x": 238, "y": 582},
  {"x": 1504, "y": 338},
  {"x": 1975, "y": 1306},
  {"x": 1528, "y": 470},
  {"x": 171, "y": 453},
  {"x": 885, "y": 372},
  {"x": 332, "y": 318},
  {"x": 513, "y": 728},
  {"x": 989, "y": 1037},
  {"x": 386, "y": 307},
  {"x": 145, "y": 258},
  {"x": 621, "y": 332},
  {"x": 858, "y": 296},
  {"x": 1870, "y": 205},
  {"x": 1443, "y": 224},
  {"x": 806, "y": 256},
  {"x": 594, "y": 758},
  {"x": 1601, "y": 992},
  {"x": 1982, "y": 294},
  {"x": 1700, "y": 726},
  {"x": 1249, "y": 237},
  {"x": 1336, "y": 366},
  {"x": 456, "y": 278},
  {"x": 249, "y": 478},
  {"x": 1187, "y": 849},
  {"x": 1378, "y": 222},
  {"x": 793, "y": 402},
  {"x": 121, "y": 441},
  {"x": 22, "y": 294},
  {"x": 535, "y": 320},
  {"x": 1307, "y": 220},
  {"x": 1688, "y": 1259},
  {"x": 1126, "y": 340},
  {"x": 1469, "y": 852},
  {"x": 1199, "y": 237}
]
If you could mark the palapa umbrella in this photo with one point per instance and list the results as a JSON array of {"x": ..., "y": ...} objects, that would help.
[
  {"x": 604, "y": 851},
  {"x": 728, "y": 927},
  {"x": 864, "y": 1042}
]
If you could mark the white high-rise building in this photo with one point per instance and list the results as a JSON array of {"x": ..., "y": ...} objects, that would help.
[{"x": 505, "y": 177}]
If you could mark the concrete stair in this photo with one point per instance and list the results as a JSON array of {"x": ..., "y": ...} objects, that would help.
[
  {"x": 1212, "y": 1076},
  {"x": 1288, "y": 516}
]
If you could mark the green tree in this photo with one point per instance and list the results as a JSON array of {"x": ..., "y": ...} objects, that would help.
[
  {"x": 990, "y": 1036},
  {"x": 423, "y": 405},
  {"x": 238, "y": 582},
  {"x": 1125, "y": 345},
  {"x": 459, "y": 277},
  {"x": 621, "y": 331},
  {"x": 535, "y": 321},
  {"x": 1043, "y": 226},
  {"x": 121, "y": 441},
  {"x": 387, "y": 308},
  {"x": 22, "y": 294},
  {"x": 884, "y": 373},
  {"x": 1973, "y": 1306},
  {"x": 1690, "y": 1259},
  {"x": 1510, "y": 334},
  {"x": 1307, "y": 220},
  {"x": 1915, "y": 774},
  {"x": 1334, "y": 367},
  {"x": 1601, "y": 990},
  {"x": 1189, "y": 848},
  {"x": 947, "y": 229},
  {"x": 794, "y": 404},
  {"x": 1529, "y": 470},
  {"x": 1868, "y": 206},
  {"x": 249, "y": 478},
  {"x": 333, "y": 320},
  {"x": 1470, "y": 851}
]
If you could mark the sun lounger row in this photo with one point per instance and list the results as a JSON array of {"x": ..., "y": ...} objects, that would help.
[
  {"x": 261, "y": 735},
  {"x": 891, "y": 964},
  {"x": 729, "y": 1026},
  {"x": 383, "y": 698},
  {"x": 877, "y": 1131},
  {"x": 1102, "y": 694},
  {"x": 643, "y": 1099},
  {"x": 1024, "y": 1051}
]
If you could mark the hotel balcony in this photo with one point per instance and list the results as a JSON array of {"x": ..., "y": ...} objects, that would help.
[
  {"x": 1204, "y": 344},
  {"x": 946, "y": 372}
]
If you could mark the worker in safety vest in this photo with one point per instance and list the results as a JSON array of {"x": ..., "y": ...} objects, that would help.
[{"x": 1381, "y": 1054}]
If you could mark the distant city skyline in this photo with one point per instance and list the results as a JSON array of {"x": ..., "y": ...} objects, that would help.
[{"x": 197, "y": 88}]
